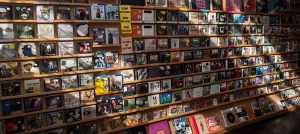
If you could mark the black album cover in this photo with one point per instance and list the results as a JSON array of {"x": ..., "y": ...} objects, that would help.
[
  {"x": 63, "y": 13},
  {"x": 72, "y": 115},
  {"x": 153, "y": 58},
  {"x": 161, "y": 29},
  {"x": 5, "y": 12},
  {"x": 163, "y": 44},
  {"x": 183, "y": 30},
  {"x": 25, "y": 30},
  {"x": 54, "y": 101},
  {"x": 138, "y": 44},
  {"x": 172, "y": 29},
  {"x": 161, "y": 16},
  {"x": 129, "y": 89},
  {"x": 52, "y": 84},
  {"x": 217, "y": 4},
  {"x": 24, "y": 12},
  {"x": 82, "y": 13},
  {"x": 33, "y": 104},
  {"x": 10, "y": 88},
  {"x": 11, "y": 107},
  {"x": 154, "y": 72},
  {"x": 49, "y": 66},
  {"x": 183, "y": 17},
  {"x": 48, "y": 49},
  {"x": 141, "y": 59},
  {"x": 133, "y": 2},
  {"x": 35, "y": 121},
  {"x": 142, "y": 88},
  {"x": 165, "y": 57},
  {"x": 116, "y": 104},
  {"x": 176, "y": 69},
  {"x": 74, "y": 129},
  {"x": 89, "y": 128},
  {"x": 172, "y": 16},
  {"x": 177, "y": 82}
]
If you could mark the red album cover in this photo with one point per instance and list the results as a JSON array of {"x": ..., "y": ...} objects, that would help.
[
  {"x": 136, "y": 30},
  {"x": 250, "y": 6},
  {"x": 234, "y": 6},
  {"x": 213, "y": 123},
  {"x": 136, "y": 15}
]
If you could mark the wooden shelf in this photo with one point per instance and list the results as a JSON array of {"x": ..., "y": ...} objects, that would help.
[
  {"x": 47, "y": 39},
  {"x": 46, "y": 93},
  {"x": 106, "y": 46},
  {"x": 45, "y": 57}
]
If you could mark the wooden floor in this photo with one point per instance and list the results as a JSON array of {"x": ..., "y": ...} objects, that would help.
[{"x": 284, "y": 124}]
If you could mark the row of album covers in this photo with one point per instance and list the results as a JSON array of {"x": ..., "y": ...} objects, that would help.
[
  {"x": 49, "y": 13},
  {"x": 212, "y": 47},
  {"x": 190, "y": 124},
  {"x": 195, "y": 60}
]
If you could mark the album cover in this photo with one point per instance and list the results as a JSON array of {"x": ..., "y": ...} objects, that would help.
[
  {"x": 98, "y": 12},
  {"x": 112, "y": 36},
  {"x": 200, "y": 4},
  {"x": 88, "y": 112},
  {"x": 85, "y": 63},
  {"x": 142, "y": 102},
  {"x": 99, "y": 60},
  {"x": 27, "y": 49},
  {"x": 163, "y": 44},
  {"x": 34, "y": 121},
  {"x": 45, "y": 13},
  {"x": 141, "y": 59},
  {"x": 63, "y": 13},
  {"x": 82, "y": 30},
  {"x": 141, "y": 73},
  {"x": 241, "y": 113},
  {"x": 32, "y": 86},
  {"x": 76, "y": 129},
  {"x": 262, "y": 6},
  {"x": 112, "y": 12},
  {"x": 148, "y": 30},
  {"x": 33, "y": 104},
  {"x": 99, "y": 36},
  {"x": 66, "y": 48},
  {"x": 11, "y": 107},
  {"x": 55, "y": 118},
  {"x": 72, "y": 115},
  {"x": 136, "y": 15},
  {"x": 47, "y": 49},
  {"x": 116, "y": 82},
  {"x": 213, "y": 123},
  {"x": 6, "y": 12},
  {"x": 54, "y": 101},
  {"x": 101, "y": 85},
  {"x": 82, "y": 13},
  {"x": 129, "y": 104},
  {"x": 71, "y": 99},
  {"x": 161, "y": 16},
  {"x": 158, "y": 127},
  {"x": 128, "y": 75},
  {"x": 112, "y": 59},
  {"x": 25, "y": 30},
  {"x": 217, "y": 5},
  {"x": 273, "y": 6},
  {"x": 103, "y": 106},
  {"x": 45, "y": 31},
  {"x": 181, "y": 125},
  {"x": 183, "y": 30},
  {"x": 165, "y": 98},
  {"x": 197, "y": 92},
  {"x": 30, "y": 68},
  {"x": 142, "y": 88},
  {"x": 14, "y": 125},
  {"x": 136, "y": 30},
  {"x": 65, "y": 30},
  {"x": 86, "y": 79},
  {"x": 84, "y": 47},
  {"x": 111, "y": 124},
  {"x": 90, "y": 128},
  {"x": 161, "y": 29},
  {"x": 8, "y": 50},
  {"x": 6, "y": 30},
  {"x": 230, "y": 116},
  {"x": 234, "y": 6},
  {"x": 148, "y": 16},
  {"x": 68, "y": 65},
  {"x": 129, "y": 90},
  {"x": 49, "y": 66},
  {"x": 10, "y": 88},
  {"x": 153, "y": 100},
  {"x": 116, "y": 104},
  {"x": 70, "y": 81}
]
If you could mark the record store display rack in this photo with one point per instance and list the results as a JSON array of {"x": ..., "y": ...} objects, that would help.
[{"x": 153, "y": 66}]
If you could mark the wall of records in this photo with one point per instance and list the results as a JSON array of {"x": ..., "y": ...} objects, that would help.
[{"x": 163, "y": 66}]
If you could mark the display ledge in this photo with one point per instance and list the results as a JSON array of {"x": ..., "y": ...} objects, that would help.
[
  {"x": 133, "y": 67},
  {"x": 42, "y": 3},
  {"x": 46, "y": 93},
  {"x": 198, "y": 48},
  {"x": 46, "y": 39},
  {"x": 203, "y": 35},
  {"x": 251, "y": 121},
  {"x": 193, "y": 112},
  {"x": 45, "y": 111},
  {"x": 291, "y": 97},
  {"x": 153, "y": 121},
  {"x": 45, "y": 57},
  {"x": 192, "y": 74},
  {"x": 199, "y": 10},
  {"x": 106, "y": 46},
  {"x": 60, "y": 21}
]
